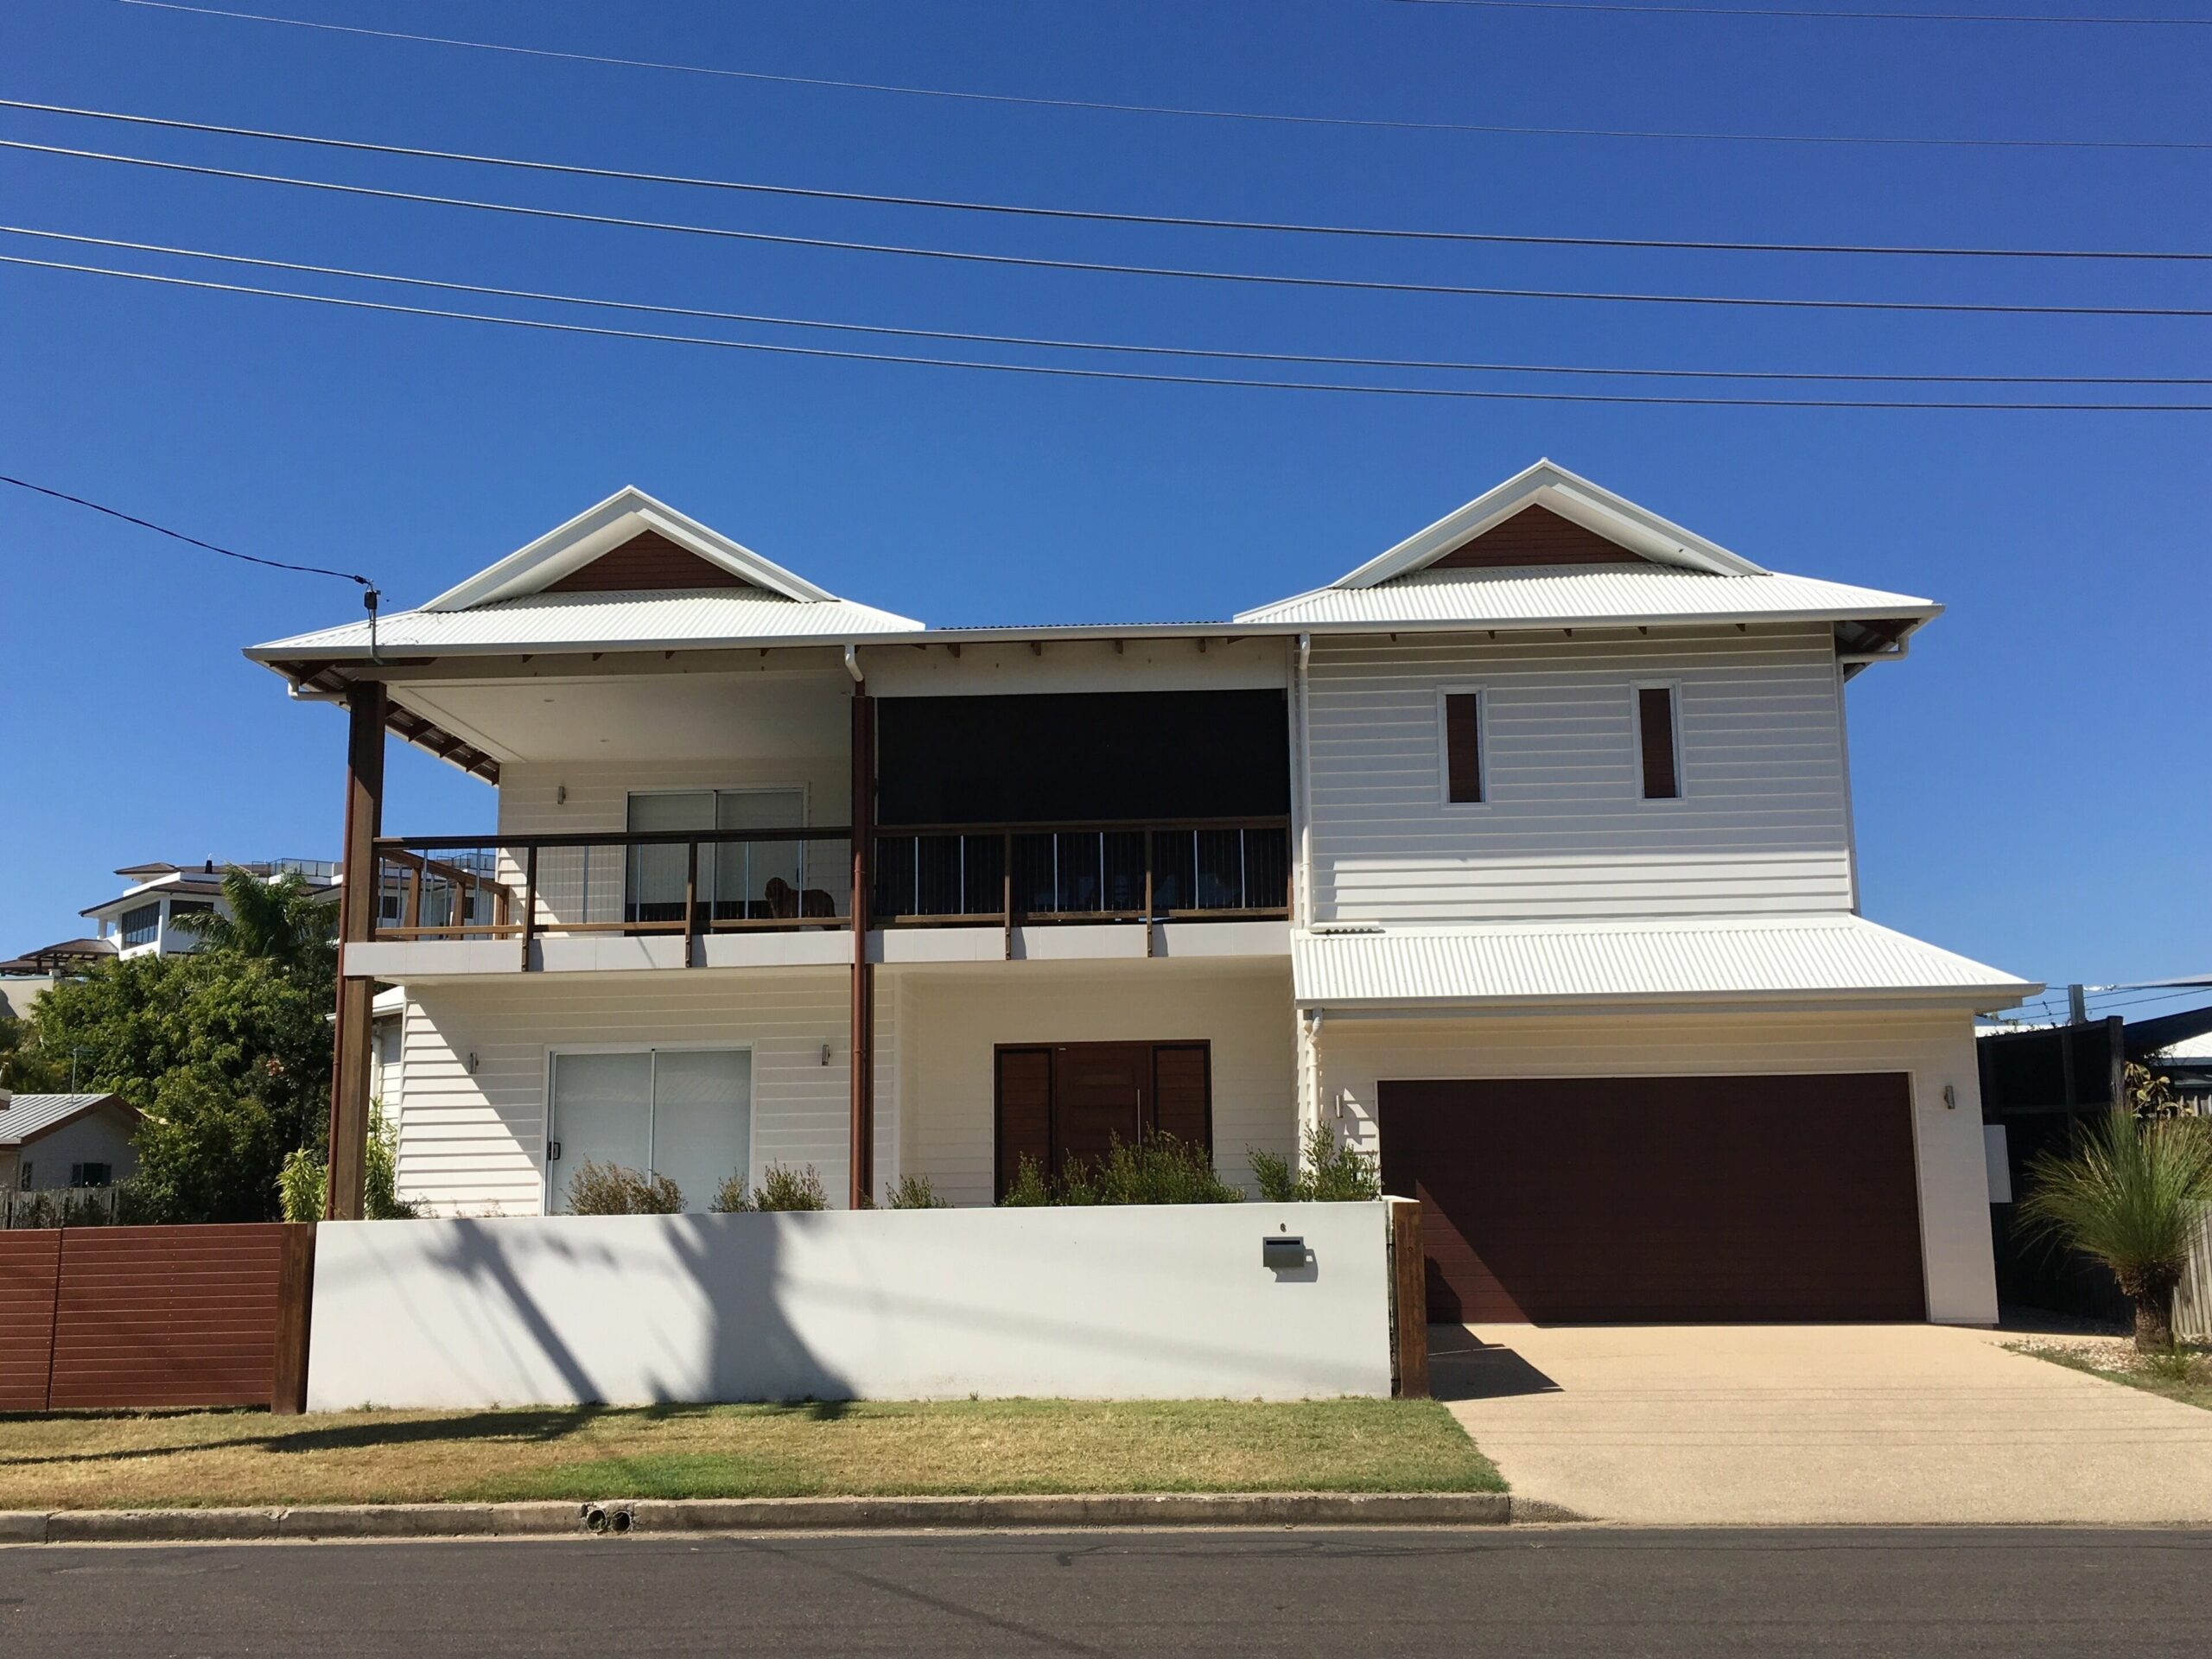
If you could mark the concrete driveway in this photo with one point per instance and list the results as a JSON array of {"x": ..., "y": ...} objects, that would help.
[{"x": 1686, "y": 1425}]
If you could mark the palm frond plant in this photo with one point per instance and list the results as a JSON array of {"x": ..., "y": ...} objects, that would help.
[
  {"x": 281, "y": 920},
  {"x": 2131, "y": 1192}
]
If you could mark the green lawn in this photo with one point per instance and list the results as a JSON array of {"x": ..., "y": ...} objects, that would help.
[
  {"x": 2184, "y": 1375},
  {"x": 117, "y": 1460}
]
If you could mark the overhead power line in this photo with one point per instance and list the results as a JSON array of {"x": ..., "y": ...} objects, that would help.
[
  {"x": 178, "y": 535},
  {"x": 1185, "y": 111},
  {"x": 1098, "y": 216},
  {"x": 1111, "y": 346},
  {"x": 1809, "y": 11},
  {"x": 1065, "y": 372},
  {"x": 1105, "y": 267}
]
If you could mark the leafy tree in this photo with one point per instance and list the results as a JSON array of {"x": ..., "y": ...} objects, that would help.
[
  {"x": 225, "y": 1054},
  {"x": 25, "y": 1066},
  {"x": 2131, "y": 1192}
]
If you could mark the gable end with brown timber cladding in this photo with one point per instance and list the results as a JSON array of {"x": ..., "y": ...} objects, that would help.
[
  {"x": 1536, "y": 536},
  {"x": 647, "y": 563}
]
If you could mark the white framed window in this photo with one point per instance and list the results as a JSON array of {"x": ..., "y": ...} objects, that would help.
[
  {"x": 1462, "y": 747},
  {"x": 1656, "y": 707},
  {"x": 684, "y": 1112}
]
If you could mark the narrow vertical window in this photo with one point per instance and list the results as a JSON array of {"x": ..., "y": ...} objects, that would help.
[
  {"x": 1463, "y": 747},
  {"x": 1654, "y": 730}
]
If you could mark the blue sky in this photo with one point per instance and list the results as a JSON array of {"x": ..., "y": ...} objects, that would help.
[{"x": 2032, "y": 785}]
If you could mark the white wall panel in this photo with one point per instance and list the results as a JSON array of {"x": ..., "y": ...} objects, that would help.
[
  {"x": 1763, "y": 823},
  {"x": 1170, "y": 1302}
]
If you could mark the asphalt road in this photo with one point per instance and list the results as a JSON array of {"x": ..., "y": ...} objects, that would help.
[{"x": 1523, "y": 1592}]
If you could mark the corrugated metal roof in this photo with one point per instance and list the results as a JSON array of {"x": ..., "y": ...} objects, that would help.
[
  {"x": 1559, "y": 596},
  {"x": 1733, "y": 958},
  {"x": 719, "y": 616},
  {"x": 30, "y": 1115}
]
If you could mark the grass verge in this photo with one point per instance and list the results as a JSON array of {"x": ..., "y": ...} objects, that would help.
[
  {"x": 2184, "y": 1375},
  {"x": 210, "y": 1458}
]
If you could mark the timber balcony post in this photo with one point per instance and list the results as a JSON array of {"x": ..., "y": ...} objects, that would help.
[
  {"x": 366, "y": 708},
  {"x": 861, "y": 1187}
]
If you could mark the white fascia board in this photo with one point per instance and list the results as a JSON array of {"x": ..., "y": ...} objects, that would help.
[
  {"x": 1574, "y": 497},
  {"x": 1242, "y": 628},
  {"x": 598, "y": 530}
]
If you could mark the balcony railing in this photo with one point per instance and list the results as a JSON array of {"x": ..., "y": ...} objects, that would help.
[
  {"x": 948, "y": 874},
  {"x": 672, "y": 881},
  {"x": 693, "y": 883}
]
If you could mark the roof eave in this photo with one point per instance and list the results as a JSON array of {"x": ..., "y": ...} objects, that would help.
[{"x": 280, "y": 652}]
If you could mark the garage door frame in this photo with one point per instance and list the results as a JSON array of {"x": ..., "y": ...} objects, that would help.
[{"x": 1903, "y": 1080}]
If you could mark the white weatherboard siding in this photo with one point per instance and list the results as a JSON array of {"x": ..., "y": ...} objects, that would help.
[
  {"x": 1357, "y": 1051},
  {"x": 473, "y": 1142},
  {"x": 1763, "y": 823},
  {"x": 953, "y": 1021},
  {"x": 1143, "y": 1302}
]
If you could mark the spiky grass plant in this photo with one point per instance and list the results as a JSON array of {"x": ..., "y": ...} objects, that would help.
[{"x": 2131, "y": 1192}]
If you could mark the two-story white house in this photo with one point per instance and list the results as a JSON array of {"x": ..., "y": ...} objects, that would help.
[
  {"x": 154, "y": 914},
  {"x": 1521, "y": 854}
]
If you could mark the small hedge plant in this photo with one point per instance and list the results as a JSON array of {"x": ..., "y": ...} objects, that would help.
[
  {"x": 1326, "y": 1173},
  {"x": 1159, "y": 1169},
  {"x": 598, "y": 1189},
  {"x": 781, "y": 1188},
  {"x": 914, "y": 1192}
]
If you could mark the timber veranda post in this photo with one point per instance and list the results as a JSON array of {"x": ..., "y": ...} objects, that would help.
[
  {"x": 862, "y": 1043},
  {"x": 343, "y": 1196}
]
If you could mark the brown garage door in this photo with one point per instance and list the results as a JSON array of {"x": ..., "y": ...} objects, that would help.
[{"x": 1662, "y": 1199}]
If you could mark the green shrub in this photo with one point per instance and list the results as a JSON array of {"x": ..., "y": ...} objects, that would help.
[
  {"x": 914, "y": 1192},
  {"x": 1327, "y": 1173},
  {"x": 1159, "y": 1169},
  {"x": 2131, "y": 1192},
  {"x": 598, "y": 1189},
  {"x": 301, "y": 1178},
  {"x": 1029, "y": 1189},
  {"x": 781, "y": 1188}
]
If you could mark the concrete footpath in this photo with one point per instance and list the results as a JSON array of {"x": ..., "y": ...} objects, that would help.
[
  {"x": 1818, "y": 1426},
  {"x": 648, "y": 1517}
]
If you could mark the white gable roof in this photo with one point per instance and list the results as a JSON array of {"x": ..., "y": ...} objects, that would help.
[
  {"x": 626, "y": 513},
  {"x": 1575, "y": 498},
  {"x": 1678, "y": 576}
]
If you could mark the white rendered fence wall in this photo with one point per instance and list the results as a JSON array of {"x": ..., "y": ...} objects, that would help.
[{"x": 1142, "y": 1302}]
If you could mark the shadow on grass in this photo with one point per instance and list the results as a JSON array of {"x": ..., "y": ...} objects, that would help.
[{"x": 538, "y": 1426}]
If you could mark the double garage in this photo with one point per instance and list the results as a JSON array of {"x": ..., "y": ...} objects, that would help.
[{"x": 1774, "y": 1196}]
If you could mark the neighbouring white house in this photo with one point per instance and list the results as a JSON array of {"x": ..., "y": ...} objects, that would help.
[
  {"x": 1521, "y": 854},
  {"x": 50, "y": 1141},
  {"x": 153, "y": 914}
]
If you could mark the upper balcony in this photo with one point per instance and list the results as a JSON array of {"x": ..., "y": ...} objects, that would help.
[{"x": 782, "y": 895}]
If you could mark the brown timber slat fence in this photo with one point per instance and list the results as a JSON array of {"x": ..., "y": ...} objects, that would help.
[{"x": 135, "y": 1317}]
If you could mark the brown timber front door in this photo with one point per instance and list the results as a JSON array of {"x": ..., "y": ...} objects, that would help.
[{"x": 1067, "y": 1103}]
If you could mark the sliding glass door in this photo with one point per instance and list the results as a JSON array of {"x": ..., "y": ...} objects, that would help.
[
  {"x": 684, "y": 1113},
  {"x": 738, "y": 880}
]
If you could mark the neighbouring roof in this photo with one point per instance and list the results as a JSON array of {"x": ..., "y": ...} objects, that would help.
[
  {"x": 1726, "y": 959},
  {"x": 52, "y": 959},
  {"x": 27, "y": 1116}
]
